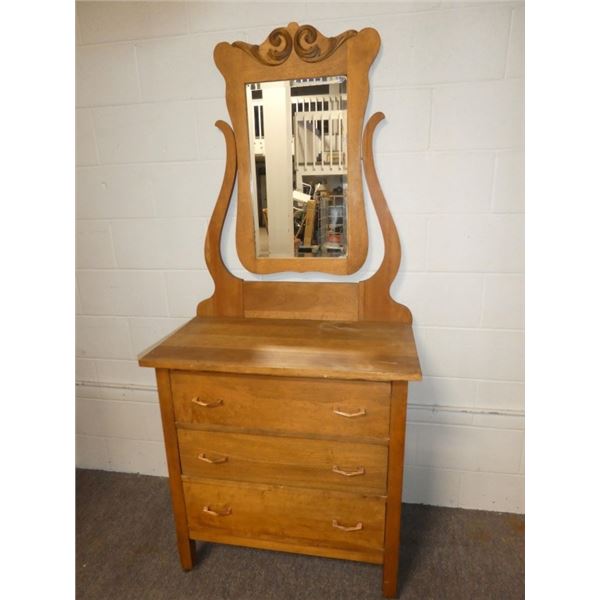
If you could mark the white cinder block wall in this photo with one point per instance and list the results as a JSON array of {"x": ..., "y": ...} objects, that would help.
[{"x": 450, "y": 158}]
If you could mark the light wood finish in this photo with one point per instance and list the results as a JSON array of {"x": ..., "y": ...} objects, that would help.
[
  {"x": 184, "y": 543},
  {"x": 227, "y": 299},
  {"x": 301, "y": 300},
  {"x": 294, "y": 515},
  {"x": 375, "y": 351},
  {"x": 311, "y": 463},
  {"x": 375, "y": 300},
  {"x": 288, "y": 545},
  {"x": 394, "y": 488},
  {"x": 296, "y": 52},
  {"x": 282, "y": 405}
]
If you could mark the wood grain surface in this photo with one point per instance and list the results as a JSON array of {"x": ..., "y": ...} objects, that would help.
[
  {"x": 376, "y": 351},
  {"x": 285, "y": 514},
  {"x": 301, "y": 300},
  {"x": 311, "y": 463},
  {"x": 278, "y": 405}
]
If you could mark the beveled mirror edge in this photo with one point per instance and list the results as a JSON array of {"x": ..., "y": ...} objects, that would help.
[{"x": 290, "y": 53}]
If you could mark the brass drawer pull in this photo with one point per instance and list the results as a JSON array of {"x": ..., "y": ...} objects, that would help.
[
  {"x": 359, "y": 413},
  {"x": 217, "y": 460},
  {"x": 224, "y": 513},
  {"x": 199, "y": 402},
  {"x": 356, "y": 527},
  {"x": 340, "y": 471}
]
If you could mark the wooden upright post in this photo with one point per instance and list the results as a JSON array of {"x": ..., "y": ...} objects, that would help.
[
  {"x": 394, "y": 488},
  {"x": 184, "y": 544}
]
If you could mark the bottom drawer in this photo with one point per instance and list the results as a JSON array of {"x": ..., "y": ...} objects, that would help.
[{"x": 310, "y": 521}]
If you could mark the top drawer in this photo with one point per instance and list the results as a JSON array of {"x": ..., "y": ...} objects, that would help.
[{"x": 282, "y": 404}]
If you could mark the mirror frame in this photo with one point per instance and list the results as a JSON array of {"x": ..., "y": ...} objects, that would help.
[{"x": 300, "y": 52}]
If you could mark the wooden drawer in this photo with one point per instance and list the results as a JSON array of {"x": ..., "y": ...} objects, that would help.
[
  {"x": 318, "y": 522},
  {"x": 327, "y": 407},
  {"x": 293, "y": 461}
]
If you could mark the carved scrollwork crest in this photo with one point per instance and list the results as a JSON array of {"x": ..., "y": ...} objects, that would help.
[{"x": 309, "y": 44}]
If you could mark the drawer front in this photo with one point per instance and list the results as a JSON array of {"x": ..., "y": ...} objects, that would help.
[
  {"x": 328, "y": 407},
  {"x": 298, "y": 516},
  {"x": 293, "y": 461}
]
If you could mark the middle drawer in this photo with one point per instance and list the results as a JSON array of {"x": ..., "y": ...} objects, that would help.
[{"x": 280, "y": 460}]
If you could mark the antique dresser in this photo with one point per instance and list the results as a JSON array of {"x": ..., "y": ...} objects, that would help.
[{"x": 283, "y": 403}]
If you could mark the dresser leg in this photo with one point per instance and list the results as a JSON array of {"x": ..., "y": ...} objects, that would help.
[
  {"x": 390, "y": 573},
  {"x": 187, "y": 549},
  {"x": 185, "y": 546},
  {"x": 394, "y": 488}
]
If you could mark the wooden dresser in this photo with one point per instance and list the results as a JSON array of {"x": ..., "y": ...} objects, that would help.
[
  {"x": 286, "y": 434},
  {"x": 284, "y": 404}
]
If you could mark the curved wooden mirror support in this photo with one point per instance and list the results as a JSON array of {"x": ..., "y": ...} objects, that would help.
[
  {"x": 367, "y": 300},
  {"x": 294, "y": 56}
]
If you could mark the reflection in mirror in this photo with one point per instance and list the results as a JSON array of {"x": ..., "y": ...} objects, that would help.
[{"x": 299, "y": 165}]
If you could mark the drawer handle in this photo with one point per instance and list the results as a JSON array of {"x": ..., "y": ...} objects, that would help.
[
  {"x": 199, "y": 402},
  {"x": 223, "y": 513},
  {"x": 356, "y": 527},
  {"x": 340, "y": 471},
  {"x": 217, "y": 460},
  {"x": 359, "y": 413}
]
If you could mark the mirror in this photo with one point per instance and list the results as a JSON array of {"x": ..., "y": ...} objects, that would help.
[
  {"x": 299, "y": 165},
  {"x": 297, "y": 103}
]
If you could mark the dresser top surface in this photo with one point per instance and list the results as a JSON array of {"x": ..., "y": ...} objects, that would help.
[{"x": 374, "y": 351}]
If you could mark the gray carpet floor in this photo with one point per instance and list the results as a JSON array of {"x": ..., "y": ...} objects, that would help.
[{"x": 126, "y": 550}]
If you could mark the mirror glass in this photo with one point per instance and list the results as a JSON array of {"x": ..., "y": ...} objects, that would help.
[{"x": 298, "y": 147}]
